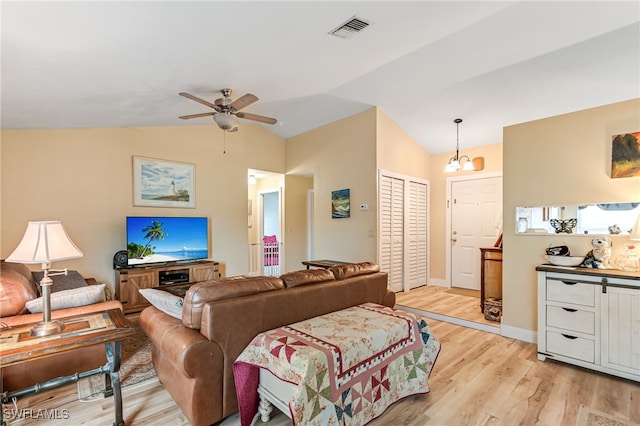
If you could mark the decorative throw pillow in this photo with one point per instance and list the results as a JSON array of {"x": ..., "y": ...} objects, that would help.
[
  {"x": 163, "y": 300},
  {"x": 72, "y": 280},
  {"x": 70, "y": 298}
]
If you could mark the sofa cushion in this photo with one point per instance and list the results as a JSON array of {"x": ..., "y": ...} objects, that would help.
[
  {"x": 306, "y": 276},
  {"x": 208, "y": 291},
  {"x": 346, "y": 270},
  {"x": 16, "y": 289},
  {"x": 71, "y": 298},
  {"x": 168, "y": 303},
  {"x": 72, "y": 280}
]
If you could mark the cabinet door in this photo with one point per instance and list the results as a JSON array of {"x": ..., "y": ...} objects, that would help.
[
  {"x": 621, "y": 329},
  {"x": 202, "y": 273},
  {"x": 130, "y": 297}
]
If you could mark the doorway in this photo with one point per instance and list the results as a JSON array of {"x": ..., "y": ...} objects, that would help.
[
  {"x": 475, "y": 211},
  {"x": 265, "y": 223}
]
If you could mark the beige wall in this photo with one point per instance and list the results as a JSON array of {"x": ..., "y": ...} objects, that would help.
[
  {"x": 295, "y": 219},
  {"x": 559, "y": 160},
  {"x": 83, "y": 177},
  {"x": 340, "y": 155},
  {"x": 399, "y": 153}
]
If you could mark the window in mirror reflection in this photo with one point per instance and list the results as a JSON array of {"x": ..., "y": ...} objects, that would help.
[{"x": 611, "y": 218}]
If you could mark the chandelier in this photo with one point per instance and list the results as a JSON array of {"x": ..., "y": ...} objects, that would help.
[{"x": 456, "y": 162}]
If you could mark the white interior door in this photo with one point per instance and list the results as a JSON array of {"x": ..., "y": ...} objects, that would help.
[{"x": 476, "y": 218}]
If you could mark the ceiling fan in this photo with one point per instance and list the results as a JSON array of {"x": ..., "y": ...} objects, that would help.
[{"x": 226, "y": 112}]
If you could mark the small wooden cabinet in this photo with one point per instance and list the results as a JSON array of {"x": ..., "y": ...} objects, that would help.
[
  {"x": 490, "y": 274},
  {"x": 129, "y": 280},
  {"x": 589, "y": 317}
]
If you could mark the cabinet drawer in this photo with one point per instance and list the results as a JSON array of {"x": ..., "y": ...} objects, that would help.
[
  {"x": 573, "y": 347},
  {"x": 570, "y": 292},
  {"x": 571, "y": 319}
]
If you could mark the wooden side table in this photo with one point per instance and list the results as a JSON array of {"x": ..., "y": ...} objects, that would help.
[
  {"x": 490, "y": 274},
  {"x": 106, "y": 327},
  {"x": 321, "y": 263}
]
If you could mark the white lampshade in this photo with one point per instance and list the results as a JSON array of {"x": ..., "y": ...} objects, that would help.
[
  {"x": 226, "y": 121},
  {"x": 468, "y": 166},
  {"x": 635, "y": 232},
  {"x": 44, "y": 242}
]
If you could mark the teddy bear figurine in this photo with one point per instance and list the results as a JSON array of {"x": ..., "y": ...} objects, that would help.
[{"x": 600, "y": 254}]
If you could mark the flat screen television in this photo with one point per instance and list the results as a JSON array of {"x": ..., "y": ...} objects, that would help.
[{"x": 158, "y": 239}]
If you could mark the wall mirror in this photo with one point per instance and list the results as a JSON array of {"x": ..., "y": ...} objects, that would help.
[{"x": 584, "y": 219}]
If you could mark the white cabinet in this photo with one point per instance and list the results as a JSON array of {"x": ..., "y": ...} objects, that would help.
[
  {"x": 590, "y": 318},
  {"x": 621, "y": 330}
]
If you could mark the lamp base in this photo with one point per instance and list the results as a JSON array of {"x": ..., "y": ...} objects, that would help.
[{"x": 46, "y": 328}]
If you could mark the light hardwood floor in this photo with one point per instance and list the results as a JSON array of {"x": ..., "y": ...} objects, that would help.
[
  {"x": 479, "y": 379},
  {"x": 439, "y": 300}
]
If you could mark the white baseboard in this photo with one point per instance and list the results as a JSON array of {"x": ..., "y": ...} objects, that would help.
[
  {"x": 519, "y": 333},
  {"x": 438, "y": 282},
  {"x": 451, "y": 320}
]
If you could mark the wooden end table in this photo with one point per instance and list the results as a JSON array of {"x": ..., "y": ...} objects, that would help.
[
  {"x": 321, "y": 263},
  {"x": 106, "y": 327}
]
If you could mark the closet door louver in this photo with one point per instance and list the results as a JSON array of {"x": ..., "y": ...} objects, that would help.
[
  {"x": 392, "y": 230},
  {"x": 416, "y": 232}
]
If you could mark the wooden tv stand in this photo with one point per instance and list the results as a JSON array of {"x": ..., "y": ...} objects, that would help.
[{"x": 129, "y": 280}]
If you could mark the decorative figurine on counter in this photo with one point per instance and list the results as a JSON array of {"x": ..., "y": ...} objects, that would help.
[
  {"x": 600, "y": 255},
  {"x": 564, "y": 225},
  {"x": 614, "y": 230}
]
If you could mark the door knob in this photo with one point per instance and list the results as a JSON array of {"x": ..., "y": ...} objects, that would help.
[{"x": 453, "y": 240}]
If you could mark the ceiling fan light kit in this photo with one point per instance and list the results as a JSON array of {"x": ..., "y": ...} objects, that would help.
[
  {"x": 458, "y": 162},
  {"x": 226, "y": 121},
  {"x": 226, "y": 112}
]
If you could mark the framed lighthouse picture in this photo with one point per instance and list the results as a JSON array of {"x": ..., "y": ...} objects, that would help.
[{"x": 161, "y": 183}]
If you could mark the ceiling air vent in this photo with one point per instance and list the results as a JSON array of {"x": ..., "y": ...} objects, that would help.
[{"x": 350, "y": 28}]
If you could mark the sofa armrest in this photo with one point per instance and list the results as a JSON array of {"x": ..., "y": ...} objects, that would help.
[
  {"x": 187, "y": 349},
  {"x": 189, "y": 364},
  {"x": 389, "y": 299}
]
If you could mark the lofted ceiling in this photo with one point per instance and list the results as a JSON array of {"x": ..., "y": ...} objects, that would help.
[{"x": 493, "y": 64}]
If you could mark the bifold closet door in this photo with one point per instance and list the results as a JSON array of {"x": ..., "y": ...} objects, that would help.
[
  {"x": 416, "y": 233},
  {"x": 403, "y": 231},
  {"x": 392, "y": 230}
]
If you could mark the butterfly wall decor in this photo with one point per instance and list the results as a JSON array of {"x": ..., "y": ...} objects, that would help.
[{"x": 564, "y": 226}]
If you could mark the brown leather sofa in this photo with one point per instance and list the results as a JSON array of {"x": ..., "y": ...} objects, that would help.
[
  {"x": 193, "y": 356},
  {"x": 17, "y": 286}
]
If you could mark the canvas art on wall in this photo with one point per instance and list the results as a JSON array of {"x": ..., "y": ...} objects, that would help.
[
  {"x": 340, "y": 207},
  {"x": 159, "y": 183},
  {"x": 625, "y": 155}
]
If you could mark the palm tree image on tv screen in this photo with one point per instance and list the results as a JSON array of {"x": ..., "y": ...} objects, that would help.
[{"x": 170, "y": 239}]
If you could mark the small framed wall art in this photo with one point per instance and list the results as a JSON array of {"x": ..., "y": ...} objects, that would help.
[
  {"x": 161, "y": 183},
  {"x": 625, "y": 155},
  {"x": 340, "y": 204}
]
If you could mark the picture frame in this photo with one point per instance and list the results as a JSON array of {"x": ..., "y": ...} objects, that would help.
[
  {"x": 340, "y": 204},
  {"x": 163, "y": 183},
  {"x": 625, "y": 155}
]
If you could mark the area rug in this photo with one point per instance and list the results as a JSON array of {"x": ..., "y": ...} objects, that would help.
[
  {"x": 590, "y": 417},
  {"x": 464, "y": 292},
  {"x": 135, "y": 367}
]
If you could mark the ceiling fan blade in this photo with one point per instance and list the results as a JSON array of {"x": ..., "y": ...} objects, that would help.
[
  {"x": 202, "y": 114},
  {"x": 197, "y": 99},
  {"x": 256, "y": 117},
  {"x": 243, "y": 102}
]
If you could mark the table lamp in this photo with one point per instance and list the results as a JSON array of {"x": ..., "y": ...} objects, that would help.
[{"x": 45, "y": 242}]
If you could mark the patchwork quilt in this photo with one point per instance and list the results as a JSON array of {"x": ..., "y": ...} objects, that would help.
[{"x": 348, "y": 366}]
